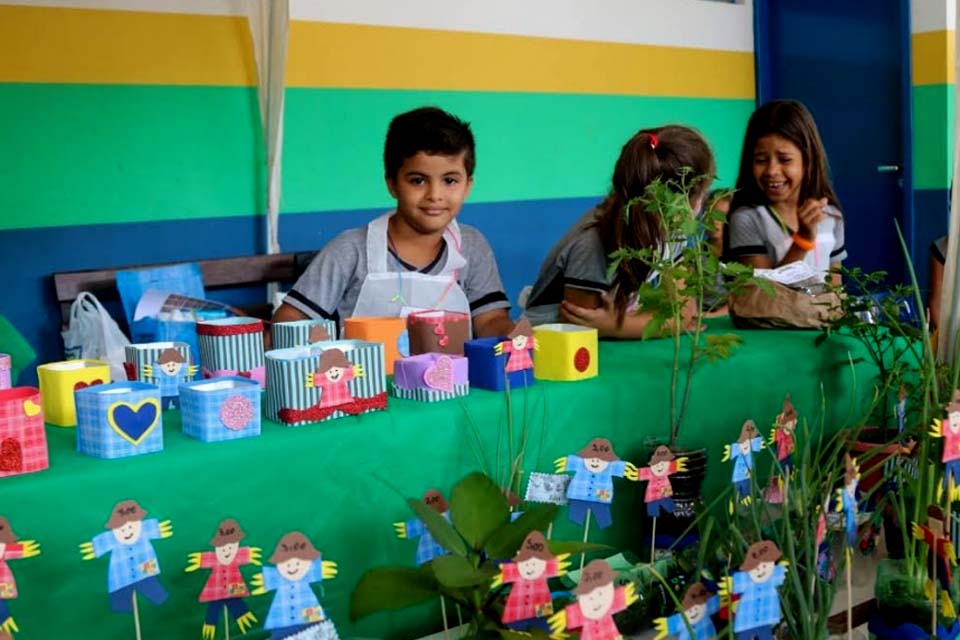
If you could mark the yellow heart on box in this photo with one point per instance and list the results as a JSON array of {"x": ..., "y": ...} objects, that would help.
[
  {"x": 566, "y": 352},
  {"x": 58, "y": 381},
  {"x": 30, "y": 408}
]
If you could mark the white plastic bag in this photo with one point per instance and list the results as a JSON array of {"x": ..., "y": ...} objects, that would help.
[{"x": 92, "y": 333}]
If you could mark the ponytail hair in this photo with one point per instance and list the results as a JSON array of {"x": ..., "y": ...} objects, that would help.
[{"x": 670, "y": 153}]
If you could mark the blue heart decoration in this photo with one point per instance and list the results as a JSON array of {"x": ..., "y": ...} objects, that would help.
[{"x": 133, "y": 424}]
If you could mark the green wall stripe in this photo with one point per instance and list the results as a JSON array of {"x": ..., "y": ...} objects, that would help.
[
  {"x": 529, "y": 146},
  {"x": 84, "y": 154},
  {"x": 933, "y": 127}
]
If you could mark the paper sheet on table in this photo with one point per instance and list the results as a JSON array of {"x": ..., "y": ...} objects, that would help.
[
  {"x": 791, "y": 275},
  {"x": 173, "y": 306}
]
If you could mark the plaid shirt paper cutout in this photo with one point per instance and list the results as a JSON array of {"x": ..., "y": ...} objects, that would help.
[
  {"x": 225, "y": 580},
  {"x": 759, "y": 602},
  {"x": 589, "y": 486},
  {"x": 528, "y": 598},
  {"x": 129, "y": 563},
  {"x": 293, "y": 598}
]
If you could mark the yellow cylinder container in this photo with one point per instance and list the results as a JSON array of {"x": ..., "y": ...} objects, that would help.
[
  {"x": 58, "y": 381},
  {"x": 392, "y": 332},
  {"x": 565, "y": 352}
]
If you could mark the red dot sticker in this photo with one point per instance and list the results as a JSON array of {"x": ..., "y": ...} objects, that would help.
[
  {"x": 581, "y": 359},
  {"x": 236, "y": 413}
]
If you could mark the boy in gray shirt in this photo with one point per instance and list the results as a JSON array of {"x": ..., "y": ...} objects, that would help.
[{"x": 416, "y": 257}]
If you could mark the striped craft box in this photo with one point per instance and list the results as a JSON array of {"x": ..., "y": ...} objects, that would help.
[
  {"x": 143, "y": 357},
  {"x": 118, "y": 420},
  {"x": 423, "y": 377},
  {"x": 221, "y": 409},
  {"x": 23, "y": 441},
  {"x": 431, "y": 395},
  {"x": 290, "y": 401},
  {"x": 5, "y": 382},
  {"x": 232, "y": 347},
  {"x": 287, "y": 335}
]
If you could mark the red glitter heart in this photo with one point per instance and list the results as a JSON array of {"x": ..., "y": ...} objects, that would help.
[{"x": 11, "y": 455}]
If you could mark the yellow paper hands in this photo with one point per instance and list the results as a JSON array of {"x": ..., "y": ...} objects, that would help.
[
  {"x": 630, "y": 593},
  {"x": 86, "y": 551},
  {"x": 192, "y": 370},
  {"x": 193, "y": 562},
  {"x": 563, "y": 564},
  {"x": 166, "y": 529},
  {"x": 328, "y": 569},
  {"x": 936, "y": 429},
  {"x": 147, "y": 371},
  {"x": 630, "y": 472},
  {"x": 30, "y": 548},
  {"x": 725, "y": 587},
  {"x": 255, "y": 554},
  {"x": 310, "y": 382},
  {"x": 257, "y": 583},
  {"x": 558, "y": 624},
  {"x": 246, "y": 621},
  {"x": 660, "y": 625},
  {"x": 401, "y": 529},
  {"x": 498, "y": 348},
  {"x": 726, "y": 453},
  {"x": 682, "y": 463},
  {"x": 497, "y": 580},
  {"x": 358, "y": 371},
  {"x": 773, "y": 436},
  {"x": 209, "y": 631},
  {"x": 560, "y": 465},
  {"x": 10, "y": 625}
]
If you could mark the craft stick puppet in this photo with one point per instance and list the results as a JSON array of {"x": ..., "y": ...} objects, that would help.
[
  {"x": 225, "y": 589},
  {"x": 520, "y": 346},
  {"x": 659, "y": 494},
  {"x": 598, "y": 599},
  {"x": 297, "y": 565},
  {"x": 741, "y": 452},
  {"x": 134, "y": 568},
  {"x": 591, "y": 490},
  {"x": 847, "y": 499},
  {"x": 529, "y": 601},
  {"x": 693, "y": 621},
  {"x": 168, "y": 372},
  {"x": 757, "y": 581},
  {"x": 427, "y": 548},
  {"x": 782, "y": 435},
  {"x": 935, "y": 534},
  {"x": 949, "y": 430},
  {"x": 901, "y": 409},
  {"x": 11, "y": 548}
]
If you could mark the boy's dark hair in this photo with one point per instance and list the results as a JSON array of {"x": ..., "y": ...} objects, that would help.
[
  {"x": 430, "y": 130},
  {"x": 791, "y": 120},
  {"x": 662, "y": 152}
]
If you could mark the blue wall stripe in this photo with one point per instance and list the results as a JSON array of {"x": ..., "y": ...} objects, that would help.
[{"x": 520, "y": 233}]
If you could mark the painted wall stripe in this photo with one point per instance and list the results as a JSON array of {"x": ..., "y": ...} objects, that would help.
[
  {"x": 934, "y": 60},
  {"x": 683, "y": 23},
  {"x": 206, "y": 7},
  {"x": 354, "y": 56},
  {"x": 123, "y": 47},
  {"x": 933, "y": 118},
  {"x": 932, "y": 15}
]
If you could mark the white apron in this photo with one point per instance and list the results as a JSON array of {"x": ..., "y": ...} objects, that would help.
[{"x": 396, "y": 294}]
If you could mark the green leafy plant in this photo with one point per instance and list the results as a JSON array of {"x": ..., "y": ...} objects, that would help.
[{"x": 479, "y": 534}]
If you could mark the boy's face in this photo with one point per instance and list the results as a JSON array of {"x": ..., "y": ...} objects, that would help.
[
  {"x": 227, "y": 552},
  {"x": 430, "y": 189}
]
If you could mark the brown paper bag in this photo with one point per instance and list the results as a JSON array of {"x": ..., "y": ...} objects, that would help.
[{"x": 752, "y": 308}]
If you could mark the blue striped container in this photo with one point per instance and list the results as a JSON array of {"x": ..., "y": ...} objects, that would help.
[
  {"x": 289, "y": 398},
  {"x": 221, "y": 409},
  {"x": 232, "y": 347},
  {"x": 287, "y": 335},
  {"x": 119, "y": 419}
]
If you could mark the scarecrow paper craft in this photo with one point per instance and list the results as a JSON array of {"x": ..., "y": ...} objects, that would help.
[
  {"x": 168, "y": 372},
  {"x": 530, "y": 601},
  {"x": 295, "y": 606},
  {"x": 901, "y": 409},
  {"x": 782, "y": 435},
  {"x": 520, "y": 345},
  {"x": 659, "y": 494},
  {"x": 428, "y": 548},
  {"x": 11, "y": 548},
  {"x": 332, "y": 376},
  {"x": 847, "y": 499},
  {"x": 598, "y": 599},
  {"x": 741, "y": 452},
  {"x": 591, "y": 490},
  {"x": 936, "y": 536},
  {"x": 134, "y": 568},
  {"x": 697, "y": 607},
  {"x": 949, "y": 430},
  {"x": 757, "y": 581},
  {"x": 225, "y": 588}
]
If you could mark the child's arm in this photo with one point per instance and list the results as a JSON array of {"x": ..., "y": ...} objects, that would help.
[
  {"x": 492, "y": 324},
  {"x": 320, "y": 290},
  {"x": 286, "y": 313},
  {"x": 591, "y": 309}
]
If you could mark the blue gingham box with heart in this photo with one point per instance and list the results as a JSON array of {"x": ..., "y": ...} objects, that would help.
[
  {"x": 119, "y": 419},
  {"x": 220, "y": 409}
]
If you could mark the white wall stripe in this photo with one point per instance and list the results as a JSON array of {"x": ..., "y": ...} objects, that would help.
[{"x": 932, "y": 15}]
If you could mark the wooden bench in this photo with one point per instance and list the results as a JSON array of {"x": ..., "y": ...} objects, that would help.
[{"x": 224, "y": 273}]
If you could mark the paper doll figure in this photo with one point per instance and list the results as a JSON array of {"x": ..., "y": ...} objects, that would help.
[
  {"x": 598, "y": 599},
  {"x": 756, "y": 583},
  {"x": 698, "y": 605},
  {"x": 659, "y": 495},
  {"x": 519, "y": 346},
  {"x": 134, "y": 568},
  {"x": 428, "y": 548},
  {"x": 782, "y": 435},
  {"x": 530, "y": 602},
  {"x": 297, "y": 565},
  {"x": 741, "y": 452},
  {"x": 901, "y": 409},
  {"x": 773, "y": 492},
  {"x": 594, "y": 468},
  {"x": 225, "y": 588},
  {"x": 825, "y": 568},
  {"x": 949, "y": 430},
  {"x": 936, "y": 536},
  {"x": 168, "y": 372},
  {"x": 847, "y": 499},
  {"x": 11, "y": 548},
  {"x": 332, "y": 376}
]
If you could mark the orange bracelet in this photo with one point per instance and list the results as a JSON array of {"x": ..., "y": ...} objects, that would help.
[{"x": 803, "y": 243}]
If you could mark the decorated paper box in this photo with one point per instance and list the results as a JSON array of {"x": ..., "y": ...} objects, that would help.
[
  {"x": 5, "y": 382},
  {"x": 232, "y": 347},
  {"x": 392, "y": 332},
  {"x": 221, "y": 409},
  {"x": 119, "y": 419},
  {"x": 165, "y": 364},
  {"x": 431, "y": 377},
  {"x": 488, "y": 370},
  {"x": 59, "y": 380},
  {"x": 327, "y": 380},
  {"x": 565, "y": 352},
  {"x": 23, "y": 441},
  {"x": 301, "y": 333},
  {"x": 438, "y": 332}
]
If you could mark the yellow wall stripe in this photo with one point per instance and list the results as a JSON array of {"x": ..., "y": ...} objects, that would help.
[
  {"x": 56, "y": 45},
  {"x": 933, "y": 57},
  {"x": 361, "y": 57}
]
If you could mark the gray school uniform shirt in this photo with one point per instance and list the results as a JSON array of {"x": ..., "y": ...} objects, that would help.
[
  {"x": 330, "y": 286},
  {"x": 756, "y": 231}
]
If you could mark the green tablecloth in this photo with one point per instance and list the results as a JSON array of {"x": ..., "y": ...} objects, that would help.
[{"x": 342, "y": 482}]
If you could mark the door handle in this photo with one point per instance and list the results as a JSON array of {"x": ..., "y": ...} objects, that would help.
[{"x": 888, "y": 168}]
